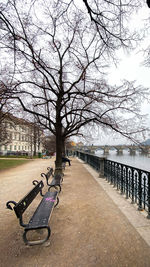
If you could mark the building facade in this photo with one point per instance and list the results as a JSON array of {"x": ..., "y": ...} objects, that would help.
[{"x": 20, "y": 137}]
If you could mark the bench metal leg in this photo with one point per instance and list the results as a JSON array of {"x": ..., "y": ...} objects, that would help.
[
  {"x": 57, "y": 202},
  {"x": 59, "y": 188},
  {"x": 37, "y": 242}
]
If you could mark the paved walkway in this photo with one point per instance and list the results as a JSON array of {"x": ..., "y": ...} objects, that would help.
[{"x": 88, "y": 228}]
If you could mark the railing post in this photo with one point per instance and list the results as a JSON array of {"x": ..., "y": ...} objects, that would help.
[
  {"x": 132, "y": 186},
  {"x": 145, "y": 183},
  {"x": 137, "y": 185},
  {"x": 117, "y": 173},
  {"x": 122, "y": 179},
  {"x": 127, "y": 184},
  {"x": 140, "y": 191},
  {"x": 101, "y": 168},
  {"x": 86, "y": 158},
  {"x": 111, "y": 173},
  {"x": 148, "y": 196}
]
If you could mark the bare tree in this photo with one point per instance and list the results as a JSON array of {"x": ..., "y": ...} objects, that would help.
[
  {"x": 148, "y": 3},
  {"x": 36, "y": 137},
  {"x": 58, "y": 62},
  {"x": 109, "y": 18},
  {"x": 5, "y": 138},
  {"x": 49, "y": 144},
  {"x": 3, "y": 130}
]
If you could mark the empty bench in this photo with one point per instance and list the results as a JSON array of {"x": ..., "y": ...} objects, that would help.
[
  {"x": 41, "y": 216},
  {"x": 48, "y": 175},
  {"x": 55, "y": 181}
]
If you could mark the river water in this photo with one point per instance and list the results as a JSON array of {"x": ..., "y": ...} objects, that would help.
[{"x": 139, "y": 161}]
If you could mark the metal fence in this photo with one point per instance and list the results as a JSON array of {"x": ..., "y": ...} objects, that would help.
[
  {"x": 134, "y": 183},
  {"x": 90, "y": 159}
]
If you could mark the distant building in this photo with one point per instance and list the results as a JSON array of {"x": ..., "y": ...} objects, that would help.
[{"x": 20, "y": 137}]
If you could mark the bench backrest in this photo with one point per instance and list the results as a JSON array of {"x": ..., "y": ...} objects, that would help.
[
  {"x": 47, "y": 175},
  {"x": 50, "y": 172},
  {"x": 23, "y": 204}
]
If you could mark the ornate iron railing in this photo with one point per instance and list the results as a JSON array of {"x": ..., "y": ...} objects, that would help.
[
  {"x": 134, "y": 183},
  {"x": 90, "y": 159}
]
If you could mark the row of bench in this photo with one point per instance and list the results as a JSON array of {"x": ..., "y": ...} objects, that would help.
[{"x": 41, "y": 217}]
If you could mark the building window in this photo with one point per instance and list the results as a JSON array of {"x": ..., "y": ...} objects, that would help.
[
  {"x": 5, "y": 147},
  {"x": 22, "y": 147},
  {"x": 10, "y": 147},
  {"x": 15, "y": 147},
  {"x": 18, "y": 147}
]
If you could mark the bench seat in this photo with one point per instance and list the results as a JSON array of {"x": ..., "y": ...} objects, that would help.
[
  {"x": 42, "y": 214},
  {"x": 40, "y": 218}
]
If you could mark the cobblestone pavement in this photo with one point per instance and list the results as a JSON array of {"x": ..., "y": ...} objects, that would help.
[{"x": 88, "y": 228}]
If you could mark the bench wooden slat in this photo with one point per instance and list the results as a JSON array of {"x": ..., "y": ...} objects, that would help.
[{"x": 42, "y": 214}]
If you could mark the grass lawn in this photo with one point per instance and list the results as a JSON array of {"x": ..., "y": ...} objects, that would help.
[{"x": 10, "y": 163}]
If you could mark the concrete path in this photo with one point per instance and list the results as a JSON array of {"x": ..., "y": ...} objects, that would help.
[{"x": 88, "y": 228}]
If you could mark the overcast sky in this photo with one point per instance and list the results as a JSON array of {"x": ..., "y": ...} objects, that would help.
[
  {"x": 131, "y": 65},
  {"x": 131, "y": 68}
]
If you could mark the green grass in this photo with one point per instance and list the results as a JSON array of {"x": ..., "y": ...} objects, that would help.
[
  {"x": 18, "y": 156},
  {"x": 11, "y": 163}
]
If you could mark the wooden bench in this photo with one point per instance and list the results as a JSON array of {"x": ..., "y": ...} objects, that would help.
[
  {"x": 48, "y": 175},
  {"x": 56, "y": 179},
  {"x": 56, "y": 183},
  {"x": 42, "y": 214}
]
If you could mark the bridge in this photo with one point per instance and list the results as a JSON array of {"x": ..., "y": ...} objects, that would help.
[{"x": 132, "y": 149}]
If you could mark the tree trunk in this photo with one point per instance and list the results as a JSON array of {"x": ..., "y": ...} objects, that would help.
[
  {"x": 58, "y": 163},
  {"x": 34, "y": 139},
  {"x": 63, "y": 146},
  {"x": 34, "y": 153}
]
